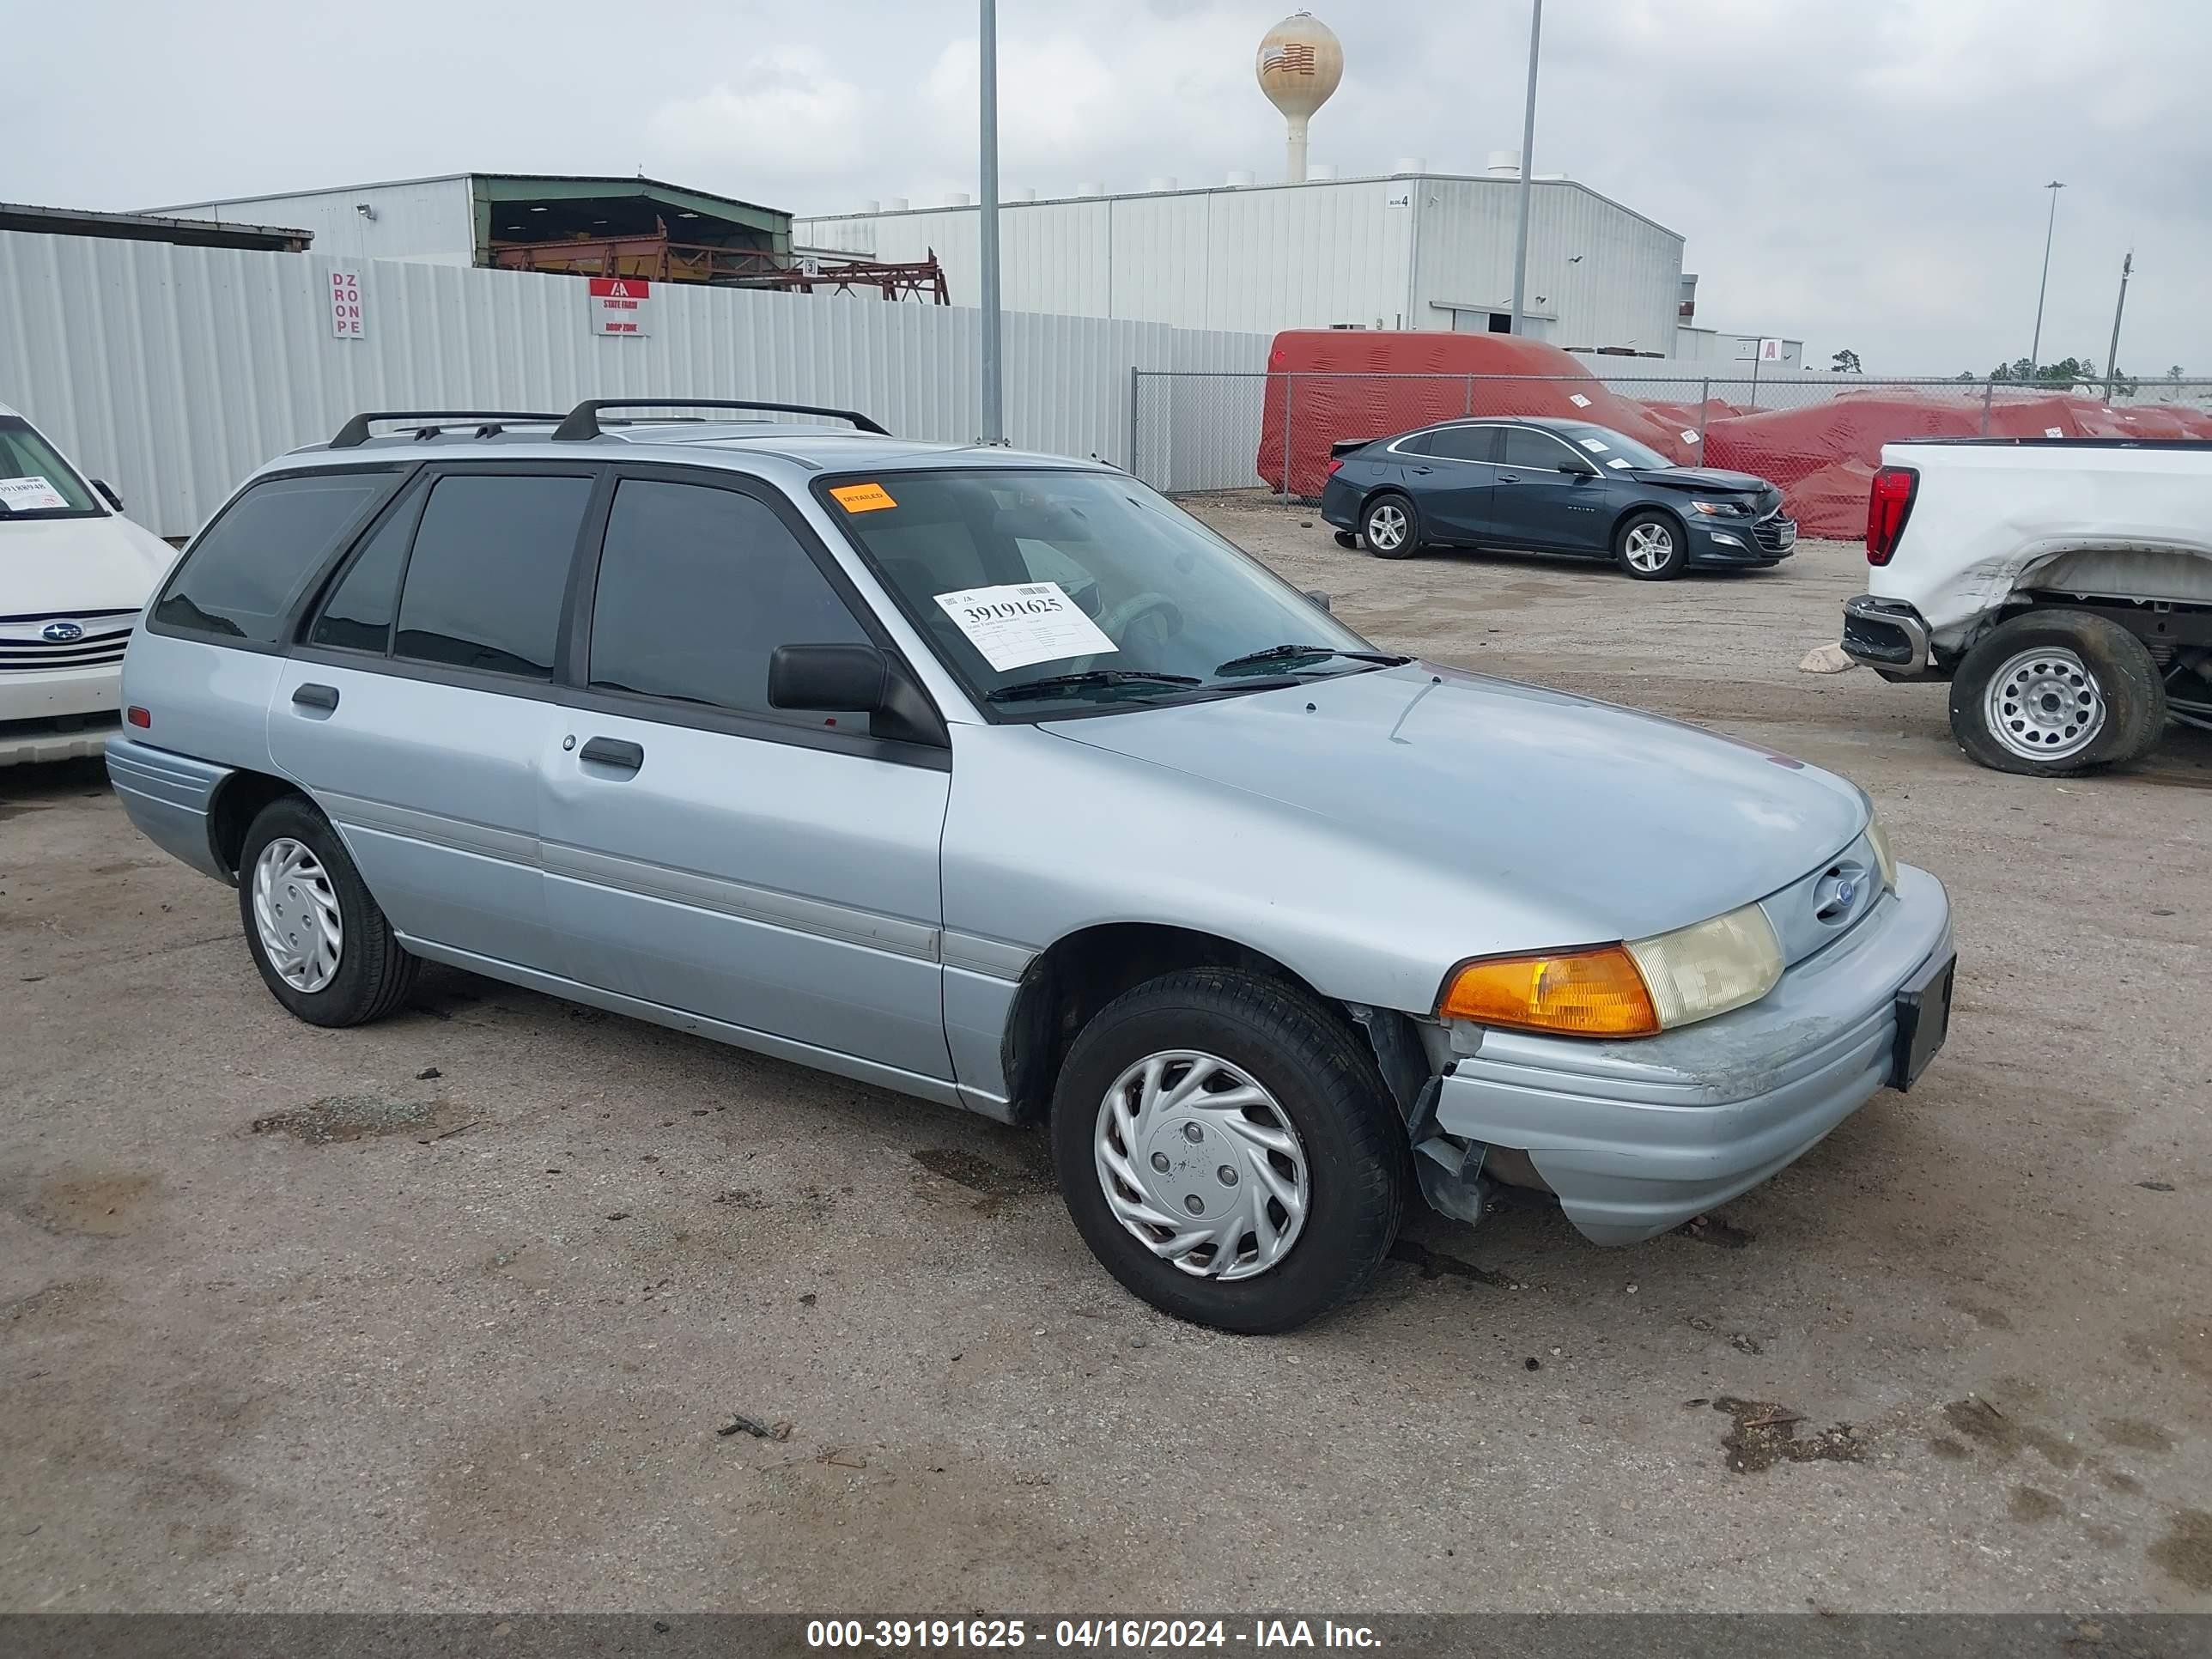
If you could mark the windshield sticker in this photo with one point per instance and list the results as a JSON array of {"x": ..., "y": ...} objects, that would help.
[
  {"x": 1019, "y": 623},
  {"x": 1617, "y": 461},
  {"x": 862, "y": 498},
  {"x": 1577, "y": 400},
  {"x": 1688, "y": 436},
  {"x": 31, "y": 495},
  {"x": 1595, "y": 445}
]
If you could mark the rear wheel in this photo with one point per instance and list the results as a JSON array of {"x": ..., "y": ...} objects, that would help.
[
  {"x": 1651, "y": 547},
  {"x": 324, "y": 948},
  {"x": 1227, "y": 1151},
  {"x": 1390, "y": 527},
  {"x": 2051, "y": 693}
]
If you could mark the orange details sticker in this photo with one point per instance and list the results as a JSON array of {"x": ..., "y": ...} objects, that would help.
[{"x": 862, "y": 498}]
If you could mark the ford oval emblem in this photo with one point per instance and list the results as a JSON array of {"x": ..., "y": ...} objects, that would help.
[{"x": 61, "y": 633}]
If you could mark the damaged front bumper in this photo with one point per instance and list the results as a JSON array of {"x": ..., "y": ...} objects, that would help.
[{"x": 1636, "y": 1138}]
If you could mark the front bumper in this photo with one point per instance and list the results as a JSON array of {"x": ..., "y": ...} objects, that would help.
[
  {"x": 1886, "y": 635},
  {"x": 1636, "y": 1138},
  {"x": 1741, "y": 541},
  {"x": 57, "y": 713}
]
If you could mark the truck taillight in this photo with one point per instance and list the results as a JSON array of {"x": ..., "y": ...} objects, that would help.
[{"x": 1889, "y": 504}]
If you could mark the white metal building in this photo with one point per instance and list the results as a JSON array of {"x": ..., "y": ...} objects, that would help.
[{"x": 1414, "y": 250}]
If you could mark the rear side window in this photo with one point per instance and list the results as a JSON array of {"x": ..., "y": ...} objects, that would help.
[
  {"x": 697, "y": 586},
  {"x": 488, "y": 572},
  {"x": 249, "y": 567},
  {"x": 1416, "y": 444},
  {"x": 357, "y": 617},
  {"x": 1465, "y": 443}
]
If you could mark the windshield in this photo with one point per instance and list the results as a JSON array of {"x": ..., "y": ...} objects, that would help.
[
  {"x": 1619, "y": 447},
  {"x": 1046, "y": 592},
  {"x": 35, "y": 482}
]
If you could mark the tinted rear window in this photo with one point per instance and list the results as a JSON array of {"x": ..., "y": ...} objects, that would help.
[
  {"x": 251, "y": 566},
  {"x": 488, "y": 572},
  {"x": 1465, "y": 443}
]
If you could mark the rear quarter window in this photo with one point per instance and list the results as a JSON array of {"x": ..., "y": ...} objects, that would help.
[{"x": 251, "y": 567}]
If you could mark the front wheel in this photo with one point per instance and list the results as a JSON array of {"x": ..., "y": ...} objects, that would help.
[
  {"x": 324, "y": 948},
  {"x": 1227, "y": 1151},
  {"x": 1651, "y": 547},
  {"x": 1390, "y": 527},
  {"x": 2051, "y": 693}
]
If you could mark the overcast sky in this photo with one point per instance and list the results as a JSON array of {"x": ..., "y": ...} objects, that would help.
[{"x": 1856, "y": 173}]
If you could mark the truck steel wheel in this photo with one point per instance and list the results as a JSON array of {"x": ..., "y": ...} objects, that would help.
[
  {"x": 1650, "y": 546},
  {"x": 2054, "y": 692},
  {"x": 1390, "y": 527},
  {"x": 324, "y": 949},
  {"x": 1227, "y": 1151}
]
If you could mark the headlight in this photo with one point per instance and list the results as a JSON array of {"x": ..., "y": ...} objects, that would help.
[
  {"x": 1718, "y": 509},
  {"x": 1635, "y": 989},
  {"x": 1885, "y": 860}
]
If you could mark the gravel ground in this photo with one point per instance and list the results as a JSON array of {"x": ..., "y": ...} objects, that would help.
[{"x": 447, "y": 1313}]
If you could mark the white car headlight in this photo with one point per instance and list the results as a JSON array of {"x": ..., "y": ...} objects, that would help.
[
  {"x": 1885, "y": 860},
  {"x": 1709, "y": 967}
]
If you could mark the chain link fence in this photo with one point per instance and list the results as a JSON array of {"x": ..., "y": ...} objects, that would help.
[{"x": 1818, "y": 436}]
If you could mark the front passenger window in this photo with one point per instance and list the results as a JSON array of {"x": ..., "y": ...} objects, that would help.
[{"x": 697, "y": 586}]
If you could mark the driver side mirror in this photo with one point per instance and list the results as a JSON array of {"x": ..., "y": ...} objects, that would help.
[
  {"x": 815, "y": 678},
  {"x": 1576, "y": 470},
  {"x": 107, "y": 491}
]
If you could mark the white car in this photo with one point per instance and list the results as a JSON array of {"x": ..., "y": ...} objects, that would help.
[
  {"x": 2063, "y": 587},
  {"x": 74, "y": 574}
]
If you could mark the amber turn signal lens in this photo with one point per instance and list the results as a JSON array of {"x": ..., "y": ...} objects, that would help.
[{"x": 1583, "y": 993}]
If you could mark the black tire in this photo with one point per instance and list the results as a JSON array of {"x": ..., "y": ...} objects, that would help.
[
  {"x": 1321, "y": 1078},
  {"x": 1647, "y": 518},
  {"x": 1347, "y": 538},
  {"x": 1408, "y": 543},
  {"x": 374, "y": 973},
  {"x": 2119, "y": 674}
]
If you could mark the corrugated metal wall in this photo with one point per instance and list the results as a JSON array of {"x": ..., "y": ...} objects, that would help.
[
  {"x": 1262, "y": 258},
  {"x": 173, "y": 372},
  {"x": 432, "y": 219}
]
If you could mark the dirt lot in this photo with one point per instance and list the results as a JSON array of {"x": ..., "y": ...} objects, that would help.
[{"x": 446, "y": 1313}]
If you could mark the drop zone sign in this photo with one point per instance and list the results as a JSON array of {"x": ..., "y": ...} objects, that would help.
[{"x": 621, "y": 306}]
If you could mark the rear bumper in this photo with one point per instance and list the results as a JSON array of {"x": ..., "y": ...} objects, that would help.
[
  {"x": 1339, "y": 505},
  {"x": 1637, "y": 1138},
  {"x": 1886, "y": 635},
  {"x": 169, "y": 797}
]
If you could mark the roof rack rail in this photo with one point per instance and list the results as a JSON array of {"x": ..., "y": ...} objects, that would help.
[
  {"x": 355, "y": 432},
  {"x": 583, "y": 421}
]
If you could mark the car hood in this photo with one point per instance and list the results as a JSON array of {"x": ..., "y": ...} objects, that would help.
[
  {"x": 1621, "y": 824},
  {"x": 59, "y": 567},
  {"x": 1704, "y": 477}
]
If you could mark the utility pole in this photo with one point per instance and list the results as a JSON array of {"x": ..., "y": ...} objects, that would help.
[
  {"x": 2034, "y": 352},
  {"x": 1528, "y": 162},
  {"x": 2112, "y": 353},
  {"x": 994, "y": 390}
]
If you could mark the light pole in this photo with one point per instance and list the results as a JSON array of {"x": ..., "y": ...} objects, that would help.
[
  {"x": 2112, "y": 351},
  {"x": 994, "y": 411},
  {"x": 1527, "y": 164},
  {"x": 2034, "y": 351}
]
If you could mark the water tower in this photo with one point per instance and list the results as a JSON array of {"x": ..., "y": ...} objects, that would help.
[{"x": 1300, "y": 63}]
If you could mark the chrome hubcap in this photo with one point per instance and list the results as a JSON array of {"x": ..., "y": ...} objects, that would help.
[
  {"x": 296, "y": 911},
  {"x": 1650, "y": 546},
  {"x": 2045, "y": 705},
  {"x": 1201, "y": 1165},
  {"x": 1386, "y": 528}
]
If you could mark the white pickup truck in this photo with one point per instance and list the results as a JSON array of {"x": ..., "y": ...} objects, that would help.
[{"x": 2064, "y": 586}]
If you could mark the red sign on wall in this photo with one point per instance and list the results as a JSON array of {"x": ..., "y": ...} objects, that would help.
[{"x": 620, "y": 304}]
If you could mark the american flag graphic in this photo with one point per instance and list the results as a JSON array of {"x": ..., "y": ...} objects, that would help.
[{"x": 1296, "y": 58}]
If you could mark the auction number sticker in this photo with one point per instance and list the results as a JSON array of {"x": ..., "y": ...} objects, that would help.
[
  {"x": 1596, "y": 445},
  {"x": 1018, "y": 623},
  {"x": 862, "y": 498},
  {"x": 31, "y": 495},
  {"x": 1578, "y": 400}
]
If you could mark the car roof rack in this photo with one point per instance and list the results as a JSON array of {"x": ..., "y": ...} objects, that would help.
[
  {"x": 583, "y": 421},
  {"x": 355, "y": 432}
]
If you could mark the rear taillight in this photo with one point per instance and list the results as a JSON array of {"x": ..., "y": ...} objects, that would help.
[
  {"x": 1336, "y": 462},
  {"x": 1889, "y": 504},
  {"x": 138, "y": 717}
]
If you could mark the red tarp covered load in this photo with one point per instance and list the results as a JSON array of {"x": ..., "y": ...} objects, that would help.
[{"x": 1343, "y": 389}]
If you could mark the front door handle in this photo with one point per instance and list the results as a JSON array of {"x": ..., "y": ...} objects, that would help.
[
  {"x": 315, "y": 697},
  {"x": 613, "y": 751},
  {"x": 1508, "y": 478}
]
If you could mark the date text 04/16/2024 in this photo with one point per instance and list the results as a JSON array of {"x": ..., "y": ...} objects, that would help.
[{"x": 893, "y": 1635}]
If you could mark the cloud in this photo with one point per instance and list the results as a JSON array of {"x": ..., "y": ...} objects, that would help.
[{"x": 795, "y": 116}]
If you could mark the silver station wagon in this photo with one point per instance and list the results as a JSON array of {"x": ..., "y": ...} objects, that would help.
[{"x": 997, "y": 779}]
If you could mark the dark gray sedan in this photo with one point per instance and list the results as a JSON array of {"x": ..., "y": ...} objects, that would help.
[{"x": 1552, "y": 486}]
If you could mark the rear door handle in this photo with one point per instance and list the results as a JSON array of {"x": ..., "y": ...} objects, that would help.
[
  {"x": 613, "y": 751},
  {"x": 315, "y": 697},
  {"x": 1422, "y": 472}
]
